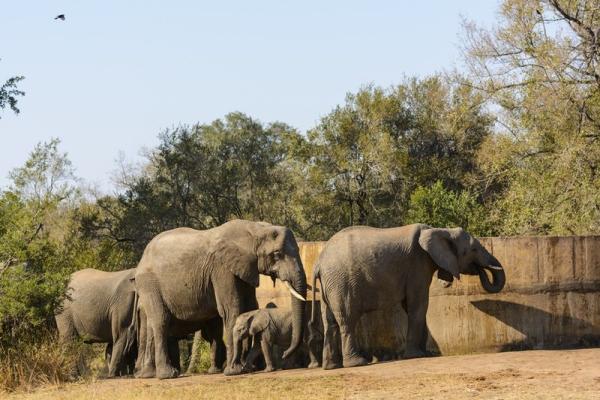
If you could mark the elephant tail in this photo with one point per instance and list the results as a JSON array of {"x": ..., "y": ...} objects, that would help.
[
  {"x": 316, "y": 275},
  {"x": 133, "y": 329}
]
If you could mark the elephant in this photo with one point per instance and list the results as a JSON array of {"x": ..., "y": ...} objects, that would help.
[
  {"x": 127, "y": 366},
  {"x": 187, "y": 277},
  {"x": 362, "y": 269},
  {"x": 99, "y": 309},
  {"x": 270, "y": 327},
  {"x": 211, "y": 331}
]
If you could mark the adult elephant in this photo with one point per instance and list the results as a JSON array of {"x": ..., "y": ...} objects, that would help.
[
  {"x": 99, "y": 309},
  {"x": 362, "y": 269},
  {"x": 187, "y": 277}
]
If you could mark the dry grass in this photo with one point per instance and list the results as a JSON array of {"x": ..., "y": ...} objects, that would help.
[
  {"x": 344, "y": 386},
  {"x": 28, "y": 366},
  {"x": 508, "y": 376}
]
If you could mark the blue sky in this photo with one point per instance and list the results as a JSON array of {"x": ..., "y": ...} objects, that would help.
[{"x": 116, "y": 73}]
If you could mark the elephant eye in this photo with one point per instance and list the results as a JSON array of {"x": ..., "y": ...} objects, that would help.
[{"x": 276, "y": 255}]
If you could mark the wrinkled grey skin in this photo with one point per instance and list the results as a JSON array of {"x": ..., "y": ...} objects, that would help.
[
  {"x": 211, "y": 331},
  {"x": 187, "y": 277},
  {"x": 127, "y": 365},
  {"x": 270, "y": 327},
  {"x": 363, "y": 269},
  {"x": 99, "y": 309}
]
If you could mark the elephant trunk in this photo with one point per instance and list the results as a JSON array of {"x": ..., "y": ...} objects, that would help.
[
  {"x": 498, "y": 276},
  {"x": 298, "y": 283}
]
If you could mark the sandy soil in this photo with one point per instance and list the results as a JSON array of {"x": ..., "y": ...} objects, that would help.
[{"x": 564, "y": 374}]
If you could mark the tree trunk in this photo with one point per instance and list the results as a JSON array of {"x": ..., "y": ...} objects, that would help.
[{"x": 194, "y": 356}]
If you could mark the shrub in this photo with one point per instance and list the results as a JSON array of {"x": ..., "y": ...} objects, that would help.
[
  {"x": 439, "y": 207},
  {"x": 28, "y": 364},
  {"x": 201, "y": 360}
]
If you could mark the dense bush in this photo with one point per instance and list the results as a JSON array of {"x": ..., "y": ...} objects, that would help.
[{"x": 440, "y": 207}]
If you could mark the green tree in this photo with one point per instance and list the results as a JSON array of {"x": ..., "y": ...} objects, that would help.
[
  {"x": 41, "y": 244},
  {"x": 46, "y": 176},
  {"x": 367, "y": 156},
  {"x": 201, "y": 177},
  {"x": 9, "y": 93},
  {"x": 440, "y": 207},
  {"x": 34, "y": 263},
  {"x": 540, "y": 69}
]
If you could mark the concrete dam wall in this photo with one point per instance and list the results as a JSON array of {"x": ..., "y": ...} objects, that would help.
[{"x": 551, "y": 300}]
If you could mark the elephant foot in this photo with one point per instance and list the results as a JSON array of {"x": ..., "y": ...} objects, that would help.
[
  {"x": 145, "y": 373},
  {"x": 247, "y": 370},
  {"x": 413, "y": 354},
  {"x": 167, "y": 372},
  {"x": 314, "y": 364},
  {"x": 214, "y": 370},
  {"x": 331, "y": 365},
  {"x": 235, "y": 369},
  {"x": 268, "y": 369},
  {"x": 356, "y": 361}
]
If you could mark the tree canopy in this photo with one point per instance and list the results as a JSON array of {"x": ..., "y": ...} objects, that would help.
[{"x": 9, "y": 93}]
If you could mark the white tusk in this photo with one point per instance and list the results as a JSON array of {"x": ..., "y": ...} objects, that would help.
[
  {"x": 495, "y": 267},
  {"x": 293, "y": 291}
]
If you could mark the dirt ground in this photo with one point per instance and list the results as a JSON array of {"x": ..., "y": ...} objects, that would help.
[{"x": 561, "y": 374}]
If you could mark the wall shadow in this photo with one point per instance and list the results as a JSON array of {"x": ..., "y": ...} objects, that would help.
[{"x": 542, "y": 330}]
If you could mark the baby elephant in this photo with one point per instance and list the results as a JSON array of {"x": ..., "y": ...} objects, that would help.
[{"x": 270, "y": 328}]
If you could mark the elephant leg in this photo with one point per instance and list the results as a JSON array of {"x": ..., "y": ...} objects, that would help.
[
  {"x": 174, "y": 354},
  {"x": 66, "y": 326},
  {"x": 313, "y": 345},
  {"x": 129, "y": 359},
  {"x": 314, "y": 361},
  {"x": 116, "y": 358},
  {"x": 267, "y": 351},
  {"x": 118, "y": 347},
  {"x": 331, "y": 353},
  {"x": 416, "y": 337},
  {"x": 144, "y": 364},
  {"x": 313, "y": 352},
  {"x": 252, "y": 355},
  {"x": 234, "y": 366},
  {"x": 149, "y": 365},
  {"x": 158, "y": 321},
  {"x": 66, "y": 336},
  {"x": 213, "y": 333},
  {"x": 164, "y": 368},
  {"x": 108, "y": 354},
  {"x": 350, "y": 352},
  {"x": 233, "y": 299}
]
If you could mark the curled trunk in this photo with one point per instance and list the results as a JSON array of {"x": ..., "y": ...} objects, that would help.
[{"x": 498, "y": 277}]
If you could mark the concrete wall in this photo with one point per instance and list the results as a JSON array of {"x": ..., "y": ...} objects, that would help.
[{"x": 551, "y": 300}]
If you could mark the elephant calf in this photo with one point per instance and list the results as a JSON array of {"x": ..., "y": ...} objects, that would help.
[
  {"x": 363, "y": 269},
  {"x": 270, "y": 328},
  {"x": 99, "y": 309}
]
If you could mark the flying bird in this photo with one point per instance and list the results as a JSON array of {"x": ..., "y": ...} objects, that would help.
[{"x": 61, "y": 17}]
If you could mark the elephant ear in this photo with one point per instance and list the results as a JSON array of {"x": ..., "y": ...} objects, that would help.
[
  {"x": 239, "y": 260},
  {"x": 439, "y": 245},
  {"x": 259, "y": 323}
]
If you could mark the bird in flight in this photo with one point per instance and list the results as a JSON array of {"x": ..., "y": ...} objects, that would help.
[{"x": 61, "y": 17}]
